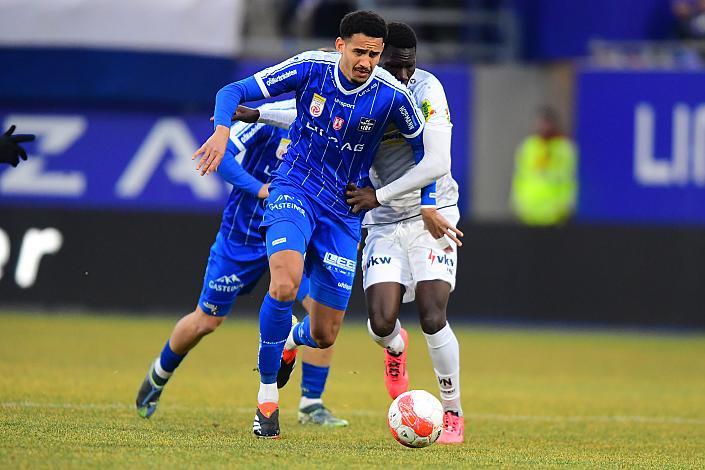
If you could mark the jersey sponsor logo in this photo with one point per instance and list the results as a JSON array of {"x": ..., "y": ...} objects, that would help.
[
  {"x": 407, "y": 117},
  {"x": 344, "y": 104},
  {"x": 366, "y": 124},
  {"x": 427, "y": 109},
  {"x": 345, "y": 285},
  {"x": 284, "y": 201},
  {"x": 213, "y": 308},
  {"x": 271, "y": 81},
  {"x": 377, "y": 260},
  {"x": 338, "y": 123},
  {"x": 346, "y": 145},
  {"x": 339, "y": 262},
  {"x": 282, "y": 147},
  {"x": 226, "y": 283},
  {"x": 444, "y": 260},
  {"x": 279, "y": 241},
  {"x": 317, "y": 104},
  {"x": 367, "y": 90}
]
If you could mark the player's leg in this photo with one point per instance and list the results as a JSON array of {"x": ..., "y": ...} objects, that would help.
[
  {"x": 434, "y": 269},
  {"x": 385, "y": 275},
  {"x": 275, "y": 318},
  {"x": 227, "y": 273},
  {"x": 314, "y": 374},
  {"x": 287, "y": 226},
  {"x": 331, "y": 264}
]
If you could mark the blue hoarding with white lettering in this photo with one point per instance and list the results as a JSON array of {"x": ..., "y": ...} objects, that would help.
[
  {"x": 119, "y": 159},
  {"x": 642, "y": 146}
]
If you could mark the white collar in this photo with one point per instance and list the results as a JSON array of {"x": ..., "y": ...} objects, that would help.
[{"x": 355, "y": 90}]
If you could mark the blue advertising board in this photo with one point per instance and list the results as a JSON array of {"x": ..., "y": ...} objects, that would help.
[
  {"x": 641, "y": 137},
  {"x": 100, "y": 159}
]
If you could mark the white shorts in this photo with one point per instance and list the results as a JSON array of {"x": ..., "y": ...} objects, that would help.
[{"x": 406, "y": 253}]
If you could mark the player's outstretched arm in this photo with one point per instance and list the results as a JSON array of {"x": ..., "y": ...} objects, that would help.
[
  {"x": 232, "y": 172},
  {"x": 432, "y": 155},
  {"x": 226, "y": 101}
]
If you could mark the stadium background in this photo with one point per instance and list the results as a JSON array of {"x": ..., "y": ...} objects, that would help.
[
  {"x": 581, "y": 345},
  {"x": 120, "y": 102}
]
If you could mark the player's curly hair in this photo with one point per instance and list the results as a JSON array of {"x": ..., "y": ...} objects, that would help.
[
  {"x": 366, "y": 22},
  {"x": 400, "y": 35}
]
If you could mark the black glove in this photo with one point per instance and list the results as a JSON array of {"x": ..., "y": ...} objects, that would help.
[{"x": 10, "y": 150}]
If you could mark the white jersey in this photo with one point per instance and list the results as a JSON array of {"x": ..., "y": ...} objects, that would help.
[{"x": 395, "y": 157}]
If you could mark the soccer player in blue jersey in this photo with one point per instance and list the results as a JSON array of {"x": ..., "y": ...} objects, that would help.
[
  {"x": 237, "y": 260},
  {"x": 344, "y": 104}
]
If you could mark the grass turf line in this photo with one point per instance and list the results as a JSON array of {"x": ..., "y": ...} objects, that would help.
[{"x": 532, "y": 398}]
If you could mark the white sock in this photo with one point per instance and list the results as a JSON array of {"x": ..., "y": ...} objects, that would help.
[
  {"x": 305, "y": 401},
  {"x": 392, "y": 343},
  {"x": 161, "y": 372},
  {"x": 268, "y": 393},
  {"x": 445, "y": 357},
  {"x": 290, "y": 344}
]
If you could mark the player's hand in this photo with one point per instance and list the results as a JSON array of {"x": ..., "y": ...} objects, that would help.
[
  {"x": 10, "y": 150},
  {"x": 212, "y": 151},
  {"x": 263, "y": 191},
  {"x": 244, "y": 114},
  {"x": 361, "y": 198},
  {"x": 439, "y": 226}
]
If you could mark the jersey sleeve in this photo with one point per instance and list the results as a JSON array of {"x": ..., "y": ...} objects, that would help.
[
  {"x": 410, "y": 121},
  {"x": 278, "y": 114},
  {"x": 434, "y": 105},
  {"x": 232, "y": 171},
  {"x": 285, "y": 76},
  {"x": 406, "y": 115}
]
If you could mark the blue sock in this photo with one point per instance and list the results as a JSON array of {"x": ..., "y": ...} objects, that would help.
[
  {"x": 168, "y": 359},
  {"x": 274, "y": 327},
  {"x": 313, "y": 380},
  {"x": 302, "y": 333}
]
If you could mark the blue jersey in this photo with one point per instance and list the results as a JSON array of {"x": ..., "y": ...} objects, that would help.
[
  {"x": 258, "y": 149},
  {"x": 339, "y": 125}
]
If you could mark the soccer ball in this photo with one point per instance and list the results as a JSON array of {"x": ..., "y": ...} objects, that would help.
[{"x": 415, "y": 418}]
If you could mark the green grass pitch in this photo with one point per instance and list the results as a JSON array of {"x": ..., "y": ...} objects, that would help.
[{"x": 531, "y": 398}]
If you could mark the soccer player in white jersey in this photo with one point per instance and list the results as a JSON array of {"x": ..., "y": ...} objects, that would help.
[{"x": 403, "y": 261}]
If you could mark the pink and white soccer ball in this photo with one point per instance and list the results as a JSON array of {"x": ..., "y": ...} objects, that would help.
[{"x": 415, "y": 418}]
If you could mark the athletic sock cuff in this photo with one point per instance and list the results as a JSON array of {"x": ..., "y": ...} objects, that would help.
[
  {"x": 384, "y": 339},
  {"x": 440, "y": 338}
]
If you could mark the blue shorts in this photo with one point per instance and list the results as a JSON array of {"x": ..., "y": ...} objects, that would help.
[
  {"x": 295, "y": 221},
  {"x": 234, "y": 269}
]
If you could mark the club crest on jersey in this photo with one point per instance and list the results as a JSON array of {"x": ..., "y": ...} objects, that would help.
[
  {"x": 317, "y": 104},
  {"x": 338, "y": 123},
  {"x": 366, "y": 124},
  {"x": 281, "y": 148}
]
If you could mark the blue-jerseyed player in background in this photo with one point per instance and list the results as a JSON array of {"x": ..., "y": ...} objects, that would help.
[
  {"x": 344, "y": 104},
  {"x": 237, "y": 260}
]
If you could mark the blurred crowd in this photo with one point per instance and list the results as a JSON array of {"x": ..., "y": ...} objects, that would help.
[{"x": 689, "y": 19}]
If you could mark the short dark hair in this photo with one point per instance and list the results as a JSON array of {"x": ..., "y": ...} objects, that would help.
[
  {"x": 400, "y": 35},
  {"x": 366, "y": 22}
]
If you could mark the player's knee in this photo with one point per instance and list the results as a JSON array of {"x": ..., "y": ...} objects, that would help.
[
  {"x": 283, "y": 290},
  {"x": 382, "y": 325},
  {"x": 207, "y": 324},
  {"x": 323, "y": 340},
  {"x": 432, "y": 321}
]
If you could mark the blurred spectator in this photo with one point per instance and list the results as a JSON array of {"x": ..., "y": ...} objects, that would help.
[
  {"x": 321, "y": 16},
  {"x": 690, "y": 19},
  {"x": 544, "y": 186},
  {"x": 10, "y": 149}
]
